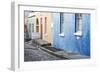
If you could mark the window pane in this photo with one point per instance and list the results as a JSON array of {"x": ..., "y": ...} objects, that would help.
[
  {"x": 78, "y": 22},
  {"x": 61, "y": 22},
  {"x": 37, "y": 21},
  {"x": 37, "y": 25}
]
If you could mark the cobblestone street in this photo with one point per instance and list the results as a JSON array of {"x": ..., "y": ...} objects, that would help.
[{"x": 32, "y": 53}]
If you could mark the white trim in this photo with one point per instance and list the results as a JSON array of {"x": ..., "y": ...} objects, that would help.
[
  {"x": 62, "y": 34},
  {"x": 78, "y": 33},
  {"x": 14, "y": 35}
]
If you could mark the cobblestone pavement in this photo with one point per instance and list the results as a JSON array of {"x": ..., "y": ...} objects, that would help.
[{"x": 32, "y": 53}]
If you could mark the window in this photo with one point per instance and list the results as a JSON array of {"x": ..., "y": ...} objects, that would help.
[
  {"x": 37, "y": 25},
  {"x": 78, "y": 24},
  {"x": 45, "y": 24},
  {"x": 61, "y": 22}
]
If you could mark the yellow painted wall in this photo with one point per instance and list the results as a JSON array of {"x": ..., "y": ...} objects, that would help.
[{"x": 48, "y": 35}]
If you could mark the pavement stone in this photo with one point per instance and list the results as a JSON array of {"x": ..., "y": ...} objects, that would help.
[{"x": 32, "y": 53}]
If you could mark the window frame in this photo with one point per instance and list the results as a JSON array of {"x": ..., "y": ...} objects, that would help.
[
  {"x": 61, "y": 22},
  {"x": 37, "y": 24},
  {"x": 78, "y": 24}
]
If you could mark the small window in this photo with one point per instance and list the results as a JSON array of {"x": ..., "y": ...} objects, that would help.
[
  {"x": 78, "y": 20},
  {"x": 61, "y": 22},
  {"x": 37, "y": 25},
  {"x": 78, "y": 24},
  {"x": 37, "y": 21},
  {"x": 45, "y": 24}
]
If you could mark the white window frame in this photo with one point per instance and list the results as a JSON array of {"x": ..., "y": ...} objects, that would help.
[
  {"x": 17, "y": 59},
  {"x": 61, "y": 24},
  {"x": 78, "y": 24}
]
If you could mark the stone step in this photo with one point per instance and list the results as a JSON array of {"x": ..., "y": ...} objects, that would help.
[{"x": 40, "y": 42}]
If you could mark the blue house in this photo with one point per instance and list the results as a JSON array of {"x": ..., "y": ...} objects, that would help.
[{"x": 71, "y": 32}]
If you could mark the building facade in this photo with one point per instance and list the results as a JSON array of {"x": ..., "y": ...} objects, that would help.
[
  {"x": 67, "y": 31},
  {"x": 39, "y": 25},
  {"x": 71, "y": 32}
]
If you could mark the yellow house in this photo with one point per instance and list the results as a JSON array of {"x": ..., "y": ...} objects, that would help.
[{"x": 43, "y": 25}]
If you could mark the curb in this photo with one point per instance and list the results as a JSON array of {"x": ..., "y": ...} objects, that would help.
[{"x": 53, "y": 53}]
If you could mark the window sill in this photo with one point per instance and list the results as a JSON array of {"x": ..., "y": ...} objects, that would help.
[
  {"x": 78, "y": 33},
  {"x": 61, "y": 34}
]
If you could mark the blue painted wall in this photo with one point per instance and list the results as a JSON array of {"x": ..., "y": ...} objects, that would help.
[{"x": 69, "y": 41}]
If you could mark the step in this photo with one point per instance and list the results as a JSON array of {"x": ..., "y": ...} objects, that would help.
[{"x": 40, "y": 42}]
